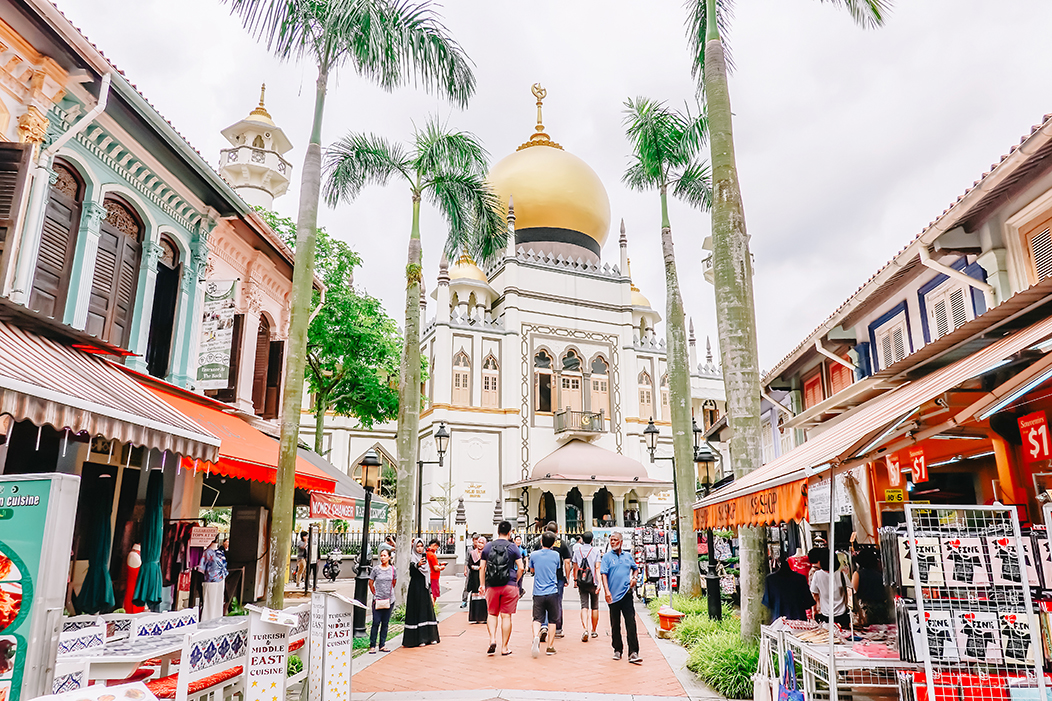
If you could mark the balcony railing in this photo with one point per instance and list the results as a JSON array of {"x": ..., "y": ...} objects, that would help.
[{"x": 580, "y": 421}]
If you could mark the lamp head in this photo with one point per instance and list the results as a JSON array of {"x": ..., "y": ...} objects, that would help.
[
  {"x": 371, "y": 468},
  {"x": 650, "y": 433},
  {"x": 441, "y": 441}
]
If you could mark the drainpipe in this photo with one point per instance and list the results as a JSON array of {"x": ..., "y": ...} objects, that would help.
[
  {"x": 833, "y": 356},
  {"x": 27, "y": 259},
  {"x": 988, "y": 289}
]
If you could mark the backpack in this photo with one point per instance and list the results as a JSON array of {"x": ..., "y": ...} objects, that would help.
[
  {"x": 498, "y": 565},
  {"x": 585, "y": 574}
]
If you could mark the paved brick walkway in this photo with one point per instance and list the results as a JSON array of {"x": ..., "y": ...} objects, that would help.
[{"x": 460, "y": 662}]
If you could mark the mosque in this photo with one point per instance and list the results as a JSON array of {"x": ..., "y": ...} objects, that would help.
[{"x": 544, "y": 367}]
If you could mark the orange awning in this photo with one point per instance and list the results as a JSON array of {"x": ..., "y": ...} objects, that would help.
[
  {"x": 244, "y": 452},
  {"x": 780, "y": 504}
]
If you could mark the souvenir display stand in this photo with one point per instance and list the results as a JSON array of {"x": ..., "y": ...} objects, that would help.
[
  {"x": 656, "y": 550},
  {"x": 973, "y": 625}
]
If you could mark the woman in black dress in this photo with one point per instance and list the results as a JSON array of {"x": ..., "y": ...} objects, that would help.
[
  {"x": 421, "y": 625},
  {"x": 477, "y": 611}
]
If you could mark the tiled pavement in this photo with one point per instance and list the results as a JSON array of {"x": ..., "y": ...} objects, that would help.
[{"x": 458, "y": 668}]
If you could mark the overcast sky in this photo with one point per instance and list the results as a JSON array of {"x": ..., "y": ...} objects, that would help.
[{"x": 849, "y": 141}]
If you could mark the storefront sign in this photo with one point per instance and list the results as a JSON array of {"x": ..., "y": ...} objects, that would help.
[
  {"x": 36, "y": 534},
  {"x": 894, "y": 470},
  {"x": 918, "y": 465},
  {"x": 217, "y": 335},
  {"x": 345, "y": 508},
  {"x": 332, "y": 634},
  {"x": 894, "y": 496},
  {"x": 268, "y": 644},
  {"x": 202, "y": 536},
  {"x": 818, "y": 500},
  {"x": 782, "y": 503},
  {"x": 1034, "y": 430},
  {"x": 475, "y": 491}
]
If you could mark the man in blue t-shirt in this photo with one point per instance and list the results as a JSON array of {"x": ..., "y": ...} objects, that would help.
[
  {"x": 618, "y": 570},
  {"x": 544, "y": 565}
]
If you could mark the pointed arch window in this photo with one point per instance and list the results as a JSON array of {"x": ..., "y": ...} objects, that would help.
[
  {"x": 646, "y": 395},
  {"x": 162, "y": 320},
  {"x": 257, "y": 142},
  {"x": 570, "y": 382},
  {"x": 490, "y": 382},
  {"x": 666, "y": 411},
  {"x": 461, "y": 379},
  {"x": 600, "y": 385},
  {"x": 709, "y": 413},
  {"x": 542, "y": 382},
  {"x": 116, "y": 277}
]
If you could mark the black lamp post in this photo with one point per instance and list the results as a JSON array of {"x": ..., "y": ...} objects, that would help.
[
  {"x": 704, "y": 458},
  {"x": 371, "y": 469},
  {"x": 651, "y": 433},
  {"x": 441, "y": 445}
]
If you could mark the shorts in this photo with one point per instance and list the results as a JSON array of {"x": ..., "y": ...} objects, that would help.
[
  {"x": 589, "y": 596},
  {"x": 545, "y": 604},
  {"x": 435, "y": 591},
  {"x": 502, "y": 599}
]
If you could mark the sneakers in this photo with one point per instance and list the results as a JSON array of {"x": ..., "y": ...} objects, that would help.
[
  {"x": 464, "y": 605},
  {"x": 634, "y": 658},
  {"x": 559, "y": 634},
  {"x": 617, "y": 655},
  {"x": 584, "y": 637},
  {"x": 550, "y": 650},
  {"x": 544, "y": 634},
  {"x": 595, "y": 634},
  {"x": 536, "y": 649}
]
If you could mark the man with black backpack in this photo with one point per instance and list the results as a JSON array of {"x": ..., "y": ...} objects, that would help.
[
  {"x": 586, "y": 579},
  {"x": 499, "y": 575}
]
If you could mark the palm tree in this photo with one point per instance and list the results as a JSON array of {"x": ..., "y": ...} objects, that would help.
[
  {"x": 665, "y": 156},
  {"x": 732, "y": 270},
  {"x": 448, "y": 168},
  {"x": 390, "y": 43}
]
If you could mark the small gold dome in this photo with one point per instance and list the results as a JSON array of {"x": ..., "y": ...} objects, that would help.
[
  {"x": 260, "y": 114},
  {"x": 638, "y": 299},
  {"x": 466, "y": 269}
]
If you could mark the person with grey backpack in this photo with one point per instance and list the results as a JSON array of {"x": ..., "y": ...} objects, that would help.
[{"x": 586, "y": 579}]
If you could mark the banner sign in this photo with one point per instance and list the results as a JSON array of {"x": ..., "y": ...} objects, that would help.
[
  {"x": 36, "y": 534},
  {"x": 918, "y": 465},
  {"x": 894, "y": 470},
  {"x": 818, "y": 500},
  {"x": 268, "y": 644},
  {"x": 324, "y": 505},
  {"x": 1034, "y": 430},
  {"x": 785, "y": 502},
  {"x": 202, "y": 536},
  {"x": 217, "y": 335}
]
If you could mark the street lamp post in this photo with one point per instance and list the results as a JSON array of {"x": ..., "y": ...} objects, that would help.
[
  {"x": 704, "y": 458},
  {"x": 651, "y": 433},
  {"x": 371, "y": 469},
  {"x": 441, "y": 445}
]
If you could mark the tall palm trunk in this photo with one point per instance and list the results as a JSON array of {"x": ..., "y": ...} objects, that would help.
[
  {"x": 302, "y": 287},
  {"x": 679, "y": 401},
  {"x": 736, "y": 315},
  {"x": 407, "y": 437}
]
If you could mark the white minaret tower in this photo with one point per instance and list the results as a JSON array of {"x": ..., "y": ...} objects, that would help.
[{"x": 254, "y": 165}]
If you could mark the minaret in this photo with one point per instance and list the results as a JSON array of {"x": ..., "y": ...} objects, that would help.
[
  {"x": 693, "y": 349},
  {"x": 511, "y": 226},
  {"x": 255, "y": 166},
  {"x": 624, "y": 249}
]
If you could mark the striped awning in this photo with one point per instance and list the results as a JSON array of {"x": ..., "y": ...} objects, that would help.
[{"x": 47, "y": 382}]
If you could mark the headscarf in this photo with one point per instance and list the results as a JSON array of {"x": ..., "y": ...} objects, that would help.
[
  {"x": 476, "y": 552},
  {"x": 419, "y": 560}
]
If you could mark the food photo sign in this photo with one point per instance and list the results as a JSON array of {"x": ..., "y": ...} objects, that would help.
[{"x": 36, "y": 535}]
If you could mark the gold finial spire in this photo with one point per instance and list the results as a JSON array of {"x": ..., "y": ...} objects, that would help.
[
  {"x": 629, "y": 271},
  {"x": 539, "y": 138},
  {"x": 261, "y": 111}
]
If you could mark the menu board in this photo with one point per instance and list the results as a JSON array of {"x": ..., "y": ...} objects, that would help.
[{"x": 36, "y": 534}]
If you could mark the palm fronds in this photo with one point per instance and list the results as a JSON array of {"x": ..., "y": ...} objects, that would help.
[
  {"x": 666, "y": 144},
  {"x": 697, "y": 28},
  {"x": 358, "y": 160},
  {"x": 866, "y": 13}
]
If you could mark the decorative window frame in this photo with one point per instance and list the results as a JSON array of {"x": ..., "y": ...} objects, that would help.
[
  {"x": 889, "y": 316},
  {"x": 1018, "y": 263},
  {"x": 978, "y": 305}
]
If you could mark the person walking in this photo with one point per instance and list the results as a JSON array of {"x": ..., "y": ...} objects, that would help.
[
  {"x": 382, "y": 580},
  {"x": 468, "y": 549},
  {"x": 477, "y": 607},
  {"x": 618, "y": 569},
  {"x": 389, "y": 546},
  {"x": 563, "y": 574},
  {"x": 500, "y": 574},
  {"x": 301, "y": 559},
  {"x": 544, "y": 566},
  {"x": 421, "y": 626},
  {"x": 586, "y": 578},
  {"x": 525, "y": 563},
  {"x": 436, "y": 568},
  {"x": 213, "y": 566}
]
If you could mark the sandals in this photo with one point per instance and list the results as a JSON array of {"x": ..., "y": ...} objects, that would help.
[
  {"x": 372, "y": 651},
  {"x": 492, "y": 650},
  {"x": 385, "y": 649}
]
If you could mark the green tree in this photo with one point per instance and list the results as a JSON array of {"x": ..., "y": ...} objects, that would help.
[
  {"x": 352, "y": 344},
  {"x": 666, "y": 145},
  {"x": 732, "y": 270},
  {"x": 392, "y": 43},
  {"x": 444, "y": 505},
  {"x": 448, "y": 169}
]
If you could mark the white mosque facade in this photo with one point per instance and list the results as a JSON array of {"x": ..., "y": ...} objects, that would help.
[{"x": 545, "y": 367}]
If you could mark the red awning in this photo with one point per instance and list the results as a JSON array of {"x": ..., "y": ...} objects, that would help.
[{"x": 244, "y": 452}]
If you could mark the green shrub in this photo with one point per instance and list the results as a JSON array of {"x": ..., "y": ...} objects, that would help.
[
  {"x": 295, "y": 665},
  {"x": 398, "y": 615},
  {"x": 725, "y": 663},
  {"x": 689, "y": 630}
]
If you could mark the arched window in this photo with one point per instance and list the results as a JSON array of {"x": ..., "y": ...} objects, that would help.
[
  {"x": 646, "y": 396},
  {"x": 542, "y": 381},
  {"x": 642, "y": 328},
  {"x": 116, "y": 277},
  {"x": 162, "y": 320},
  {"x": 785, "y": 435},
  {"x": 709, "y": 413},
  {"x": 257, "y": 142},
  {"x": 490, "y": 382},
  {"x": 600, "y": 398},
  {"x": 570, "y": 382},
  {"x": 666, "y": 412},
  {"x": 259, "y": 371},
  {"x": 57, "y": 241},
  {"x": 461, "y": 379}
]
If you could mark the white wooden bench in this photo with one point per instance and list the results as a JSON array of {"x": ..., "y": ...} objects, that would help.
[
  {"x": 162, "y": 623},
  {"x": 212, "y": 666},
  {"x": 299, "y": 643},
  {"x": 71, "y": 668},
  {"x": 71, "y": 623}
]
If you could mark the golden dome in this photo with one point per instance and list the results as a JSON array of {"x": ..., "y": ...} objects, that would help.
[
  {"x": 466, "y": 269},
  {"x": 638, "y": 300},
  {"x": 260, "y": 114},
  {"x": 552, "y": 189}
]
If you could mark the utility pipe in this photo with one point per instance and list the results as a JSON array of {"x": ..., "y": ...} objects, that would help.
[
  {"x": 832, "y": 356},
  {"x": 34, "y": 222},
  {"x": 987, "y": 288}
]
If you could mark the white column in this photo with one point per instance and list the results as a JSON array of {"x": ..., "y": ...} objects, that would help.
[
  {"x": 187, "y": 328},
  {"x": 587, "y": 510},
  {"x": 84, "y": 265},
  {"x": 140, "y": 330},
  {"x": 560, "y": 511},
  {"x": 619, "y": 510},
  {"x": 644, "y": 509},
  {"x": 247, "y": 362}
]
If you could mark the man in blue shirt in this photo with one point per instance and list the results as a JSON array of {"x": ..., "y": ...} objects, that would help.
[
  {"x": 618, "y": 570},
  {"x": 545, "y": 564}
]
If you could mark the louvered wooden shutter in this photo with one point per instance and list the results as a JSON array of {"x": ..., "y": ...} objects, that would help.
[
  {"x": 259, "y": 372},
  {"x": 275, "y": 366},
  {"x": 116, "y": 276},
  {"x": 958, "y": 307},
  {"x": 14, "y": 172},
  {"x": 813, "y": 391},
  {"x": 57, "y": 241},
  {"x": 1041, "y": 252},
  {"x": 840, "y": 378}
]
